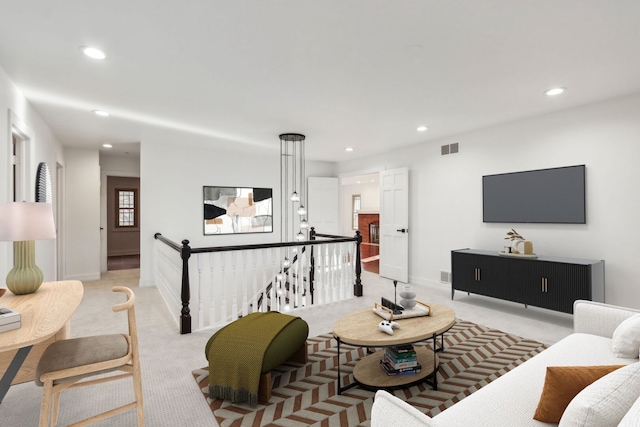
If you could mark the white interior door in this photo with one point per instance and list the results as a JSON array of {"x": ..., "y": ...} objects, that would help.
[
  {"x": 324, "y": 200},
  {"x": 394, "y": 224}
]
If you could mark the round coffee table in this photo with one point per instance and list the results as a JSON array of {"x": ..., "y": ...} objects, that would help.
[{"x": 360, "y": 329}]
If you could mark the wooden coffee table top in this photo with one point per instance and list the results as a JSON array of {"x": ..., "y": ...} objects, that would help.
[{"x": 361, "y": 327}]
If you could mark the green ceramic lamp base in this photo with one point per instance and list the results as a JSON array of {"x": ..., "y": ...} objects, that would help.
[{"x": 25, "y": 277}]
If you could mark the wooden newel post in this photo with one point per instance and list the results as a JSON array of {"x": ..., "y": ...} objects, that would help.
[
  {"x": 312, "y": 270},
  {"x": 185, "y": 295},
  {"x": 357, "y": 286}
]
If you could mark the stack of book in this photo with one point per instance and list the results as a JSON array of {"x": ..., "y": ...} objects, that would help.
[
  {"x": 9, "y": 319},
  {"x": 400, "y": 360}
]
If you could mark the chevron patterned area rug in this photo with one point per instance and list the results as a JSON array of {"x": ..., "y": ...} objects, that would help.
[{"x": 305, "y": 395}]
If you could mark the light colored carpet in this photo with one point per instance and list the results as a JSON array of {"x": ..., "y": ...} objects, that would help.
[
  {"x": 167, "y": 359},
  {"x": 172, "y": 398}
]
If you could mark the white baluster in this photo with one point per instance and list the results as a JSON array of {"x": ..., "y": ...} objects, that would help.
[
  {"x": 327, "y": 272},
  {"x": 212, "y": 290},
  {"x": 234, "y": 284},
  {"x": 280, "y": 292},
  {"x": 338, "y": 268},
  {"x": 299, "y": 276},
  {"x": 200, "y": 284},
  {"x": 224, "y": 289},
  {"x": 247, "y": 282},
  {"x": 275, "y": 265},
  {"x": 304, "y": 276},
  {"x": 262, "y": 283},
  {"x": 351, "y": 268},
  {"x": 334, "y": 272},
  {"x": 295, "y": 288},
  {"x": 321, "y": 274},
  {"x": 344, "y": 270}
]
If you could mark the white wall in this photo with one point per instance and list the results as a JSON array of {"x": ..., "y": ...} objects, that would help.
[
  {"x": 82, "y": 214},
  {"x": 119, "y": 165},
  {"x": 171, "y": 180},
  {"x": 446, "y": 191},
  {"x": 43, "y": 147}
]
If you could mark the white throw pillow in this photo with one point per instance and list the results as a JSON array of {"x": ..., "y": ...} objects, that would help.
[
  {"x": 626, "y": 338},
  {"x": 606, "y": 401},
  {"x": 632, "y": 418}
]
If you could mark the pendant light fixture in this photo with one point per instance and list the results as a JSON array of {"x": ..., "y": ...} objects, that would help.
[{"x": 292, "y": 177}]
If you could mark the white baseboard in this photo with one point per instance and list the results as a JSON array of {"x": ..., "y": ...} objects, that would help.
[{"x": 420, "y": 281}]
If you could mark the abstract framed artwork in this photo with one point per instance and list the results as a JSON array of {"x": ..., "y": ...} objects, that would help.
[{"x": 237, "y": 210}]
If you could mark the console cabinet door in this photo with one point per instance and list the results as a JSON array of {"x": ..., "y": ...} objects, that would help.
[
  {"x": 479, "y": 274},
  {"x": 493, "y": 277},
  {"x": 464, "y": 270},
  {"x": 522, "y": 277},
  {"x": 551, "y": 285},
  {"x": 565, "y": 283}
]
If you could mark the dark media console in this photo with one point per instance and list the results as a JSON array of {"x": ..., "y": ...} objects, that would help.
[{"x": 548, "y": 282}]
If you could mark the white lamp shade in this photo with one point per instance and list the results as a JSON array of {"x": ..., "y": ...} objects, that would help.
[{"x": 20, "y": 221}]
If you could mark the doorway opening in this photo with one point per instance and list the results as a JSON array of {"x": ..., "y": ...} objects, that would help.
[
  {"x": 123, "y": 223},
  {"x": 361, "y": 202}
]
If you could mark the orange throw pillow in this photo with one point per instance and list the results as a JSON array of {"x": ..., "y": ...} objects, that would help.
[{"x": 562, "y": 384}]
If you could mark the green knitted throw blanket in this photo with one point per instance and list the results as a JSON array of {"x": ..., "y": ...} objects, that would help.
[{"x": 237, "y": 352}]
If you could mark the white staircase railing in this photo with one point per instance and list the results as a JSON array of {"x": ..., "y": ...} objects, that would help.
[{"x": 233, "y": 281}]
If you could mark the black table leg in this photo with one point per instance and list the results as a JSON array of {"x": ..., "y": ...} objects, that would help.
[{"x": 12, "y": 370}]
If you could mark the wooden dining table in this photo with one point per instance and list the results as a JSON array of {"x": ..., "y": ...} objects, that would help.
[{"x": 45, "y": 318}]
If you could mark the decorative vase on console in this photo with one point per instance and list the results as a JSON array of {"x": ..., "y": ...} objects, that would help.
[
  {"x": 514, "y": 246},
  {"x": 407, "y": 294}
]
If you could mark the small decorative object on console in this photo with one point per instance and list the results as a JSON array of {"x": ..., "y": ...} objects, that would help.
[
  {"x": 516, "y": 240},
  {"x": 388, "y": 327}
]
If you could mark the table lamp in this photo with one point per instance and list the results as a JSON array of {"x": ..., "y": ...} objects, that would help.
[{"x": 22, "y": 223}]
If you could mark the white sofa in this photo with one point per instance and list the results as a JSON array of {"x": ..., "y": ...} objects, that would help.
[{"x": 511, "y": 400}]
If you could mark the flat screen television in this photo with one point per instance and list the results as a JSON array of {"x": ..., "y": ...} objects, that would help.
[{"x": 554, "y": 195}]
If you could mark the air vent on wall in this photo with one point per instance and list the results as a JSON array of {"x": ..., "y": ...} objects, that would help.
[
  {"x": 449, "y": 148},
  {"x": 445, "y": 276}
]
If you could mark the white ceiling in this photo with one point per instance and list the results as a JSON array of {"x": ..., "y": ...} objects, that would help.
[{"x": 360, "y": 73}]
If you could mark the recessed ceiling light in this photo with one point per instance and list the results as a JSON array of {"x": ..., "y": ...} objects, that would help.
[
  {"x": 107, "y": 145},
  {"x": 101, "y": 113},
  {"x": 93, "y": 52},
  {"x": 349, "y": 149},
  {"x": 422, "y": 128},
  {"x": 555, "y": 91}
]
